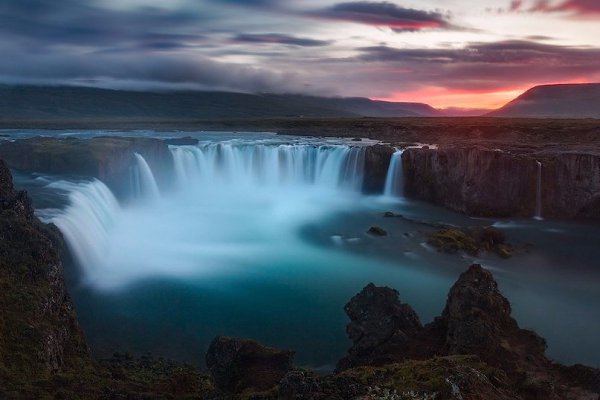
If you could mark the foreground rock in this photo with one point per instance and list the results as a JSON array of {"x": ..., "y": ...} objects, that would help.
[
  {"x": 239, "y": 365},
  {"x": 475, "y": 321},
  {"x": 43, "y": 353}
]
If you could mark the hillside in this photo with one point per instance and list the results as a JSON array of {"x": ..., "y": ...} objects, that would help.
[
  {"x": 555, "y": 101},
  {"x": 68, "y": 102}
]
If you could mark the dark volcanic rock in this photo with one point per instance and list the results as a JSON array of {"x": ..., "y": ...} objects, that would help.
[
  {"x": 380, "y": 328},
  {"x": 472, "y": 180},
  {"x": 477, "y": 320},
  {"x": 484, "y": 182},
  {"x": 377, "y": 162},
  {"x": 38, "y": 329},
  {"x": 377, "y": 231},
  {"x": 106, "y": 158},
  {"x": 239, "y": 364}
]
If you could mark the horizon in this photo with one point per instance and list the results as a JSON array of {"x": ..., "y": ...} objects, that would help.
[{"x": 448, "y": 54}]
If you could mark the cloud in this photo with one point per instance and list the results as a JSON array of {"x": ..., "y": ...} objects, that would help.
[
  {"x": 384, "y": 14},
  {"x": 277, "y": 38},
  {"x": 577, "y": 8},
  {"x": 484, "y": 66}
]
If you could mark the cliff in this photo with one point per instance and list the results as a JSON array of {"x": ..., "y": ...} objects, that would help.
[
  {"x": 106, "y": 158},
  {"x": 494, "y": 183},
  {"x": 39, "y": 333}
]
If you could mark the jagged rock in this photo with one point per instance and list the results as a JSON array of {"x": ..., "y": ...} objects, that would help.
[
  {"x": 381, "y": 327},
  {"x": 477, "y": 320},
  {"x": 240, "y": 364}
]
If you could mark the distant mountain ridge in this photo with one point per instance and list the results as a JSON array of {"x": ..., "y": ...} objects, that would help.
[
  {"x": 70, "y": 102},
  {"x": 555, "y": 101}
]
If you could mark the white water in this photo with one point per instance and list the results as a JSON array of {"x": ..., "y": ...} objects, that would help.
[
  {"x": 394, "y": 181},
  {"x": 145, "y": 185},
  {"x": 538, "y": 197},
  {"x": 234, "y": 202}
]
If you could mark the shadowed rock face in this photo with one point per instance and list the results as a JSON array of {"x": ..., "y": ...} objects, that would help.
[
  {"x": 239, "y": 364},
  {"x": 106, "y": 158},
  {"x": 39, "y": 333},
  {"x": 377, "y": 162},
  {"x": 379, "y": 322},
  {"x": 483, "y": 182}
]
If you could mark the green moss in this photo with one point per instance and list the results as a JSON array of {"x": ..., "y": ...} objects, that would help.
[
  {"x": 471, "y": 241},
  {"x": 453, "y": 240}
]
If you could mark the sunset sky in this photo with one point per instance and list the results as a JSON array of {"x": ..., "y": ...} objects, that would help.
[{"x": 448, "y": 53}]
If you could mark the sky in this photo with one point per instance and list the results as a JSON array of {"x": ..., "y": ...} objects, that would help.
[{"x": 448, "y": 53}]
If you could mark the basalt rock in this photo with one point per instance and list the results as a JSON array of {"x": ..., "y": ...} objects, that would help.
[
  {"x": 377, "y": 162},
  {"x": 39, "y": 333},
  {"x": 483, "y": 182},
  {"x": 381, "y": 327},
  {"x": 472, "y": 180},
  {"x": 109, "y": 159},
  {"x": 238, "y": 365},
  {"x": 476, "y": 321}
]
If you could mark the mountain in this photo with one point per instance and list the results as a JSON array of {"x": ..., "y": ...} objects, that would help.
[
  {"x": 70, "y": 102},
  {"x": 555, "y": 101}
]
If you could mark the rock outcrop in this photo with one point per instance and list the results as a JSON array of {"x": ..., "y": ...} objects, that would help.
[
  {"x": 39, "y": 333},
  {"x": 381, "y": 327},
  {"x": 106, "y": 158},
  {"x": 472, "y": 180},
  {"x": 377, "y": 162},
  {"x": 238, "y": 365},
  {"x": 475, "y": 321},
  {"x": 492, "y": 183}
]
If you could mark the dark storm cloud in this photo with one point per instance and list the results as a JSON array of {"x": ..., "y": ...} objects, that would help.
[
  {"x": 145, "y": 67},
  {"x": 384, "y": 14},
  {"x": 486, "y": 65},
  {"x": 277, "y": 38},
  {"x": 44, "y": 23}
]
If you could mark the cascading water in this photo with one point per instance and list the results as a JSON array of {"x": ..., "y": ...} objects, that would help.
[
  {"x": 394, "y": 181},
  {"x": 538, "y": 197},
  {"x": 233, "y": 200},
  {"x": 145, "y": 185},
  {"x": 327, "y": 167},
  {"x": 88, "y": 220}
]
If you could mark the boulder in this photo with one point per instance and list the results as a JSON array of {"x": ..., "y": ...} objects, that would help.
[
  {"x": 377, "y": 231},
  {"x": 238, "y": 365},
  {"x": 381, "y": 327}
]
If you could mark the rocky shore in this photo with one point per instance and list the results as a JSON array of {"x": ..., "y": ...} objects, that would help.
[{"x": 473, "y": 350}]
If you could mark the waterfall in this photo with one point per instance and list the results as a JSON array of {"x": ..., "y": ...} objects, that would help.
[
  {"x": 144, "y": 183},
  {"x": 538, "y": 197},
  {"x": 231, "y": 201},
  {"x": 326, "y": 166},
  {"x": 394, "y": 181},
  {"x": 87, "y": 221}
]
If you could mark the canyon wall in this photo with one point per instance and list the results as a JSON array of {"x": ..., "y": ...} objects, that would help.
[{"x": 493, "y": 183}]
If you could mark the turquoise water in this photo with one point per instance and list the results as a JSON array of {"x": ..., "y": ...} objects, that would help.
[{"x": 272, "y": 243}]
